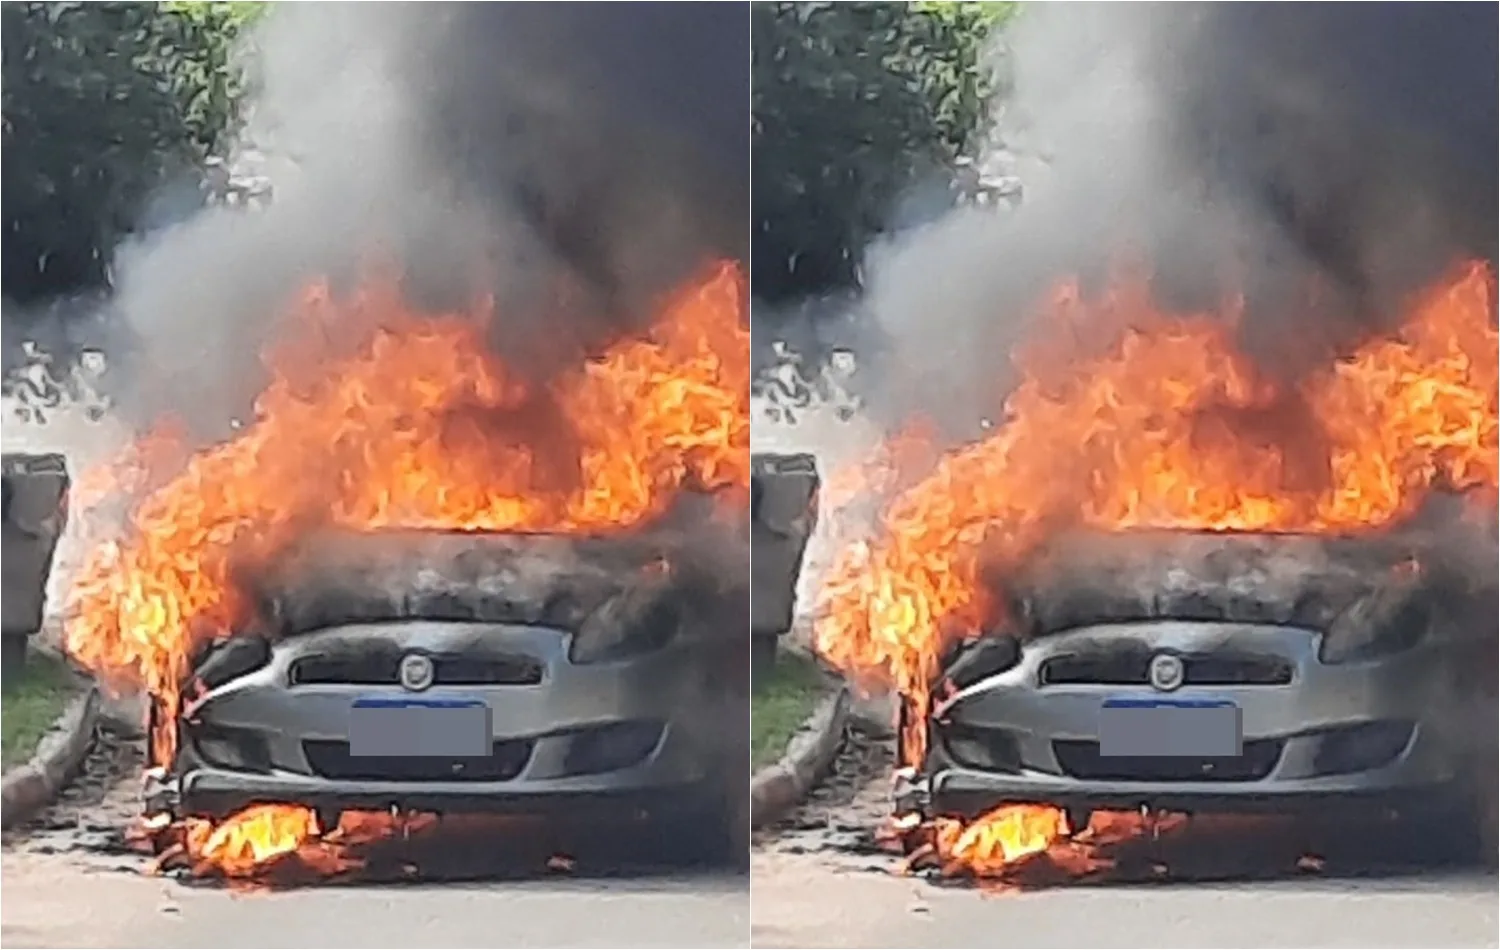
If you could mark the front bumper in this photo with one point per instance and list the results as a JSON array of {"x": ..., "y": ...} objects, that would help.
[
  {"x": 620, "y": 734},
  {"x": 1347, "y": 734},
  {"x": 217, "y": 793},
  {"x": 968, "y": 793}
]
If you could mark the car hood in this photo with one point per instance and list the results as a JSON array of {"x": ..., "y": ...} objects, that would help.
[
  {"x": 1306, "y": 581},
  {"x": 541, "y": 580}
]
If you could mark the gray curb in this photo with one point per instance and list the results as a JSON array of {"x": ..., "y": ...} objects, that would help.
[
  {"x": 27, "y": 789},
  {"x": 777, "y": 788}
]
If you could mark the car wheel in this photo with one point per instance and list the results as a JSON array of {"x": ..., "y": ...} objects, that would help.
[
  {"x": 1461, "y": 831},
  {"x": 1485, "y": 805},
  {"x": 1489, "y": 845},
  {"x": 1474, "y": 824},
  {"x": 714, "y": 830}
]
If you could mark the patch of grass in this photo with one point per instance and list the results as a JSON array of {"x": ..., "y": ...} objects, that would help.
[
  {"x": 30, "y": 706},
  {"x": 781, "y": 702}
]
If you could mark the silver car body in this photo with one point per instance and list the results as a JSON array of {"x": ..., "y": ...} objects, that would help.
[
  {"x": 1310, "y": 729},
  {"x": 560, "y": 729}
]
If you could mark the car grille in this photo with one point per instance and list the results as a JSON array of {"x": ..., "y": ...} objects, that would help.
[
  {"x": 1131, "y": 668},
  {"x": 1081, "y": 759},
  {"x": 330, "y": 759},
  {"x": 383, "y": 669}
]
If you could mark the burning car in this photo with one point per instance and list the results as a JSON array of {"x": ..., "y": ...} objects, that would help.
[
  {"x": 416, "y": 581},
  {"x": 464, "y": 672},
  {"x": 1227, "y": 672},
  {"x": 1169, "y": 578}
]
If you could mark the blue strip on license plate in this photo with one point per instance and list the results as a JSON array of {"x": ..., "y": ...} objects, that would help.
[
  {"x": 448, "y": 728},
  {"x": 1200, "y": 728}
]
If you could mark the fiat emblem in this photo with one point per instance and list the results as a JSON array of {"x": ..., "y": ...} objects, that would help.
[
  {"x": 1166, "y": 672},
  {"x": 416, "y": 672}
]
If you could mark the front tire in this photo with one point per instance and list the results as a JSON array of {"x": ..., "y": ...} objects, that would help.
[
  {"x": 1460, "y": 830},
  {"x": 711, "y": 831}
]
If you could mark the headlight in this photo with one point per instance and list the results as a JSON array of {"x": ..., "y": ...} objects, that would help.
[
  {"x": 228, "y": 660},
  {"x": 1367, "y": 632},
  {"x": 980, "y": 659},
  {"x": 609, "y": 636}
]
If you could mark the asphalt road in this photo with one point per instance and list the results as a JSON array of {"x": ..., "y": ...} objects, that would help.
[
  {"x": 808, "y": 900},
  {"x": 64, "y": 900}
]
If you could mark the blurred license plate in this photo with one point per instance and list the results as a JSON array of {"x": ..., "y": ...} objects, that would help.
[
  {"x": 1169, "y": 727},
  {"x": 427, "y": 727}
]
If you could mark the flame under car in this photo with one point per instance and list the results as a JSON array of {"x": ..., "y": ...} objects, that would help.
[
  {"x": 1222, "y": 672},
  {"x": 461, "y": 672}
]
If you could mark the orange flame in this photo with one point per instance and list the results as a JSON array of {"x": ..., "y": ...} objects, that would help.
[
  {"x": 1128, "y": 417},
  {"x": 407, "y": 420},
  {"x": 1002, "y": 837},
  {"x": 249, "y": 844},
  {"x": 1022, "y": 843}
]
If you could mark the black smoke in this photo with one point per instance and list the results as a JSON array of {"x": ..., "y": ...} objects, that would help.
[
  {"x": 616, "y": 135},
  {"x": 1364, "y": 133},
  {"x": 570, "y": 161},
  {"x": 1319, "y": 161}
]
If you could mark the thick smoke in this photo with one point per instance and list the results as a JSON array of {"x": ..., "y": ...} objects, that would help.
[
  {"x": 1321, "y": 159},
  {"x": 572, "y": 161}
]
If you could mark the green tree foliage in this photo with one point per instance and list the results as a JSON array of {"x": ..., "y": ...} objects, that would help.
[
  {"x": 198, "y": 44},
  {"x": 852, "y": 104},
  {"x": 103, "y": 103}
]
